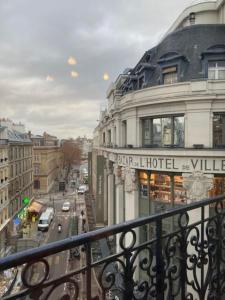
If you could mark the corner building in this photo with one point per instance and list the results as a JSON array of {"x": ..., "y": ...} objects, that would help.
[{"x": 161, "y": 142}]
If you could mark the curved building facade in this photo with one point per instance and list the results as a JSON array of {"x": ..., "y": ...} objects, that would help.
[{"x": 161, "y": 141}]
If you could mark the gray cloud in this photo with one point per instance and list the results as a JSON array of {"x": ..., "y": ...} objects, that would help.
[{"x": 37, "y": 37}]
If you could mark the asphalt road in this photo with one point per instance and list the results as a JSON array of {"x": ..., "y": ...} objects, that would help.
[{"x": 58, "y": 263}]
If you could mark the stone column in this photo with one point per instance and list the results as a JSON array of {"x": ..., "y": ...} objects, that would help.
[
  {"x": 132, "y": 206},
  {"x": 105, "y": 197},
  {"x": 197, "y": 185},
  {"x": 110, "y": 193}
]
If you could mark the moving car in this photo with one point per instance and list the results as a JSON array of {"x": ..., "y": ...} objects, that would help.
[
  {"x": 45, "y": 220},
  {"x": 51, "y": 210},
  {"x": 82, "y": 189},
  {"x": 66, "y": 206}
]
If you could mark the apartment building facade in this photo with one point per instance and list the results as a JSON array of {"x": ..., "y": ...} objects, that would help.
[
  {"x": 16, "y": 173},
  {"x": 4, "y": 199},
  {"x": 47, "y": 162}
]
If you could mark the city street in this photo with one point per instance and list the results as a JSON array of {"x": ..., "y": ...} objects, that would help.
[{"x": 59, "y": 263}]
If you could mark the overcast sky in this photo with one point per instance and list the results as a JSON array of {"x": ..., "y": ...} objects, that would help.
[{"x": 40, "y": 88}]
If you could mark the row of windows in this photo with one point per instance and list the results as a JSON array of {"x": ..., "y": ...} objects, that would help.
[
  {"x": 20, "y": 183},
  {"x": 3, "y": 216},
  {"x": 3, "y": 156},
  {"x": 215, "y": 70},
  {"x": 169, "y": 131},
  {"x": 20, "y": 167},
  {"x": 166, "y": 190},
  {"x": 164, "y": 131},
  {"x": 19, "y": 152}
]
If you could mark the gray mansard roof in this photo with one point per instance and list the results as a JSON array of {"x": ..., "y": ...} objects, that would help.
[
  {"x": 188, "y": 49},
  {"x": 17, "y": 137}
]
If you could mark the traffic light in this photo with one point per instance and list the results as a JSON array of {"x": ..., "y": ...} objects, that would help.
[{"x": 26, "y": 200}]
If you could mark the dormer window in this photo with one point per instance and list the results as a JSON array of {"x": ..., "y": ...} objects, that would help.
[
  {"x": 216, "y": 70},
  {"x": 213, "y": 62},
  {"x": 169, "y": 75},
  {"x": 172, "y": 66}
]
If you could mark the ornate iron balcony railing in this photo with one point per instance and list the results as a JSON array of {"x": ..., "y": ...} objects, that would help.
[{"x": 178, "y": 254}]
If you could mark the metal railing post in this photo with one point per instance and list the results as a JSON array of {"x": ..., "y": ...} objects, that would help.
[
  {"x": 89, "y": 269},
  {"x": 159, "y": 262}
]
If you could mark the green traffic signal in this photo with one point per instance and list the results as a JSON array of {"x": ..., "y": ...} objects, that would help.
[{"x": 26, "y": 200}]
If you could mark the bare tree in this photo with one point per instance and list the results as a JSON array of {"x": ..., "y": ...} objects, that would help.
[{"x": 72, "y": 155}]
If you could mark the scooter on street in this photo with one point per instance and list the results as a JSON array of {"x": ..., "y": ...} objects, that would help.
[{"x": 59, "y": 228}]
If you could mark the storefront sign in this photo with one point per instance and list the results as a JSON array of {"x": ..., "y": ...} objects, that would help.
[{"x": 173, "y": 164}]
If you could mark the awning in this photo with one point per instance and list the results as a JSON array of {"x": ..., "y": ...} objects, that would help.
[{"x": 35, "y": 207}]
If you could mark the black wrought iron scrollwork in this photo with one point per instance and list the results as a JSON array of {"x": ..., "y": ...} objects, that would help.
[
  {"x": 107, "y": 276},
  {"x": 72, "y": 291},
  {"x": 186, "y": 263}
]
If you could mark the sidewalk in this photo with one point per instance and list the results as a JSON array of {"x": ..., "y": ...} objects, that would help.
[{"x": 77, "y": 263}]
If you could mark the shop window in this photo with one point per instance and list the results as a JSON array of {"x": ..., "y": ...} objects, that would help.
[
  {"x": 218, "y": 186},
  {"x": 163, "y": 132},
  {"x": 159, "y": 192},
  {"x": 180, "y": 194},
  {"x": 219, "y": 130},
  {"x": 216, "y": 70},
  {"x": 169, "y": 75},
  {"x": 143, "y": 180},
  {"x": 160, "y": 188}
]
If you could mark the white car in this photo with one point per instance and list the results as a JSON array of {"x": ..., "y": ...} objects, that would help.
[
  {"x": 82, "y": 189},
  {"x": 51, "y": 211},
  {"x": 66, "y": 206}
]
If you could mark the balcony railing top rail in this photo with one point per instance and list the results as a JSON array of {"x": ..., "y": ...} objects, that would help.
[{"x": 186, "y": 263}]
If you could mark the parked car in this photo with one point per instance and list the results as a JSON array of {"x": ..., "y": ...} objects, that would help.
[
  {"x": 66, "y": 206},
  {"x": 45, "y": 221}
]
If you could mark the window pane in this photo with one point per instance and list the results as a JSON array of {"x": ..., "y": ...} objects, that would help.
[
  {"x": 219, "y": 129},
  {"x": 216, "y": 70},
  {"x": 180, "y": 195},
  {"x": 179, "y": 131},
  {"x": 221, "y": 74},
  {"x": 166, "y": 131},
  {"x": 212, "y": 74},
  {"x": 146, "y": 132},
  {"x": 160, "y": 192},
  {"x": 218, "y": 187},
  {"x": 170, "y": 78},
  {"x": 157, "y": 132}
]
